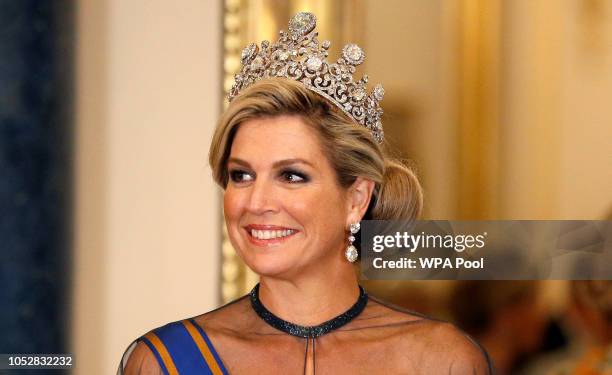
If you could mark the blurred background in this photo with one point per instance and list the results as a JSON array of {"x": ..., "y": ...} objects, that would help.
[{"x": 111, "y": 225}]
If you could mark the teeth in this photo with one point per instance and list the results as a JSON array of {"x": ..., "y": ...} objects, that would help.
[{"x": 271, "y": 234}]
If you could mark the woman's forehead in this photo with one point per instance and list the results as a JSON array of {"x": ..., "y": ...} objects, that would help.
[{"x": 280, "y": 137}]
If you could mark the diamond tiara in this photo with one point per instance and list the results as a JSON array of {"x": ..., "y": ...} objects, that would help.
[{"x": 299, "y": 56}]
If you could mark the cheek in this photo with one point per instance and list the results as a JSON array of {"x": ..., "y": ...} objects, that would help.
[
  {"x": 232, "y": 206},
  {"x": 323, "y": 209}
]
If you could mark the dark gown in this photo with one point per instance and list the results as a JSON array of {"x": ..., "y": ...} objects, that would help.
[{"x": 382, "y": 339}]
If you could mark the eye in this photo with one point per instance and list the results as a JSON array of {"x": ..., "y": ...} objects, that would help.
[
  {"x": 293, "y": 176},
  {"x": 238, "y": 176}
]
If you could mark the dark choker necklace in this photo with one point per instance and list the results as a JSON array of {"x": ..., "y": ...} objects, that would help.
[{"x": 308, "y": 331}]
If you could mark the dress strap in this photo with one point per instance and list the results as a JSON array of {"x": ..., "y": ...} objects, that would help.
[{"x": 183, "y": 348}]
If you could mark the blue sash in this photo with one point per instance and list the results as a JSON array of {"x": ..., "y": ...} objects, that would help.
[{"x": 182, "y": 348}]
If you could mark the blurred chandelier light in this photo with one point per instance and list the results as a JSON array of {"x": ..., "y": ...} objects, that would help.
[{"x": 299, "y": 56}]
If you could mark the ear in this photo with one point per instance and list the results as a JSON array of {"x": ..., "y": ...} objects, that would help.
[{"x": 359, "y": 195}]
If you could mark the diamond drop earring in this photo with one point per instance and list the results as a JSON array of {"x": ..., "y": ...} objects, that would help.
[{"x": 351, "y": 252}]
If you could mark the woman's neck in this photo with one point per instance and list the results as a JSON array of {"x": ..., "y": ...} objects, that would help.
[{"x": 310, "y": 300}]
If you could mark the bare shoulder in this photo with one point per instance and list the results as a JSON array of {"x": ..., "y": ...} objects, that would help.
[
  {"x": 424, "y": 345},
  {"x": 142, "y": 362},
  {"x": 448, "y": 349}
]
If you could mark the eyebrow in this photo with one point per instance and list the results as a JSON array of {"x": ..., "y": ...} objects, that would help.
[{"x": 276, "y": 164}]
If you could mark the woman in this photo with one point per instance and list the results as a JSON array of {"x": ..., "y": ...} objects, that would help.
[{"x": 299, "y": 155}]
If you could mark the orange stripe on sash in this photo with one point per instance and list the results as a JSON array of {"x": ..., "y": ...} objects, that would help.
[
  {"x": 204, "y": 349},
  {"x": 163, "y": 352}
]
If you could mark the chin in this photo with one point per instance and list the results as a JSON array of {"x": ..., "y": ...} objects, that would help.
[
  {"x": 266, "y": 264},
  {"x": 274, "y": 259}
]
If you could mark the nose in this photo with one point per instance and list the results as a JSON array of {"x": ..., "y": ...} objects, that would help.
[{"x": 261, "y": 199}]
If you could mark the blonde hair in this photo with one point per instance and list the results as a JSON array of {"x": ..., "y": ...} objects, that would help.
[{"x": 351, "y": 149}]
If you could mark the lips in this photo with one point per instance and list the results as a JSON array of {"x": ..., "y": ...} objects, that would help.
[
  {"x": 266, "y": 226},
  {"x": 264, "y": 235}
]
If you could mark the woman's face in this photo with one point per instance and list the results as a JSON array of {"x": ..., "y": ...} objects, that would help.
[{"x": 285, "y": 212}]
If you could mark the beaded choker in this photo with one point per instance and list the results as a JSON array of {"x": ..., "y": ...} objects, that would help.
[{"x": 308, "y": 331}]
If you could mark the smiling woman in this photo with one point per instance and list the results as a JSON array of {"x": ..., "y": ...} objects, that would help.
[{"x": 301, "y": 165}]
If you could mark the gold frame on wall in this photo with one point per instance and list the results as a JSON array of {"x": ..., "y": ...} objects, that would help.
[{"x": 478, "y": 109}]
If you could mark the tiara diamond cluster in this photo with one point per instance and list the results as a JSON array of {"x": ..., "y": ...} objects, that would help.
[{"x": 298, "y": 55}]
